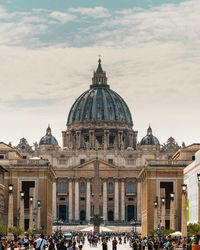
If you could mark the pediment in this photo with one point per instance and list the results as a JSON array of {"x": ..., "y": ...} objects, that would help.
[{"x": 103, "y": 165}]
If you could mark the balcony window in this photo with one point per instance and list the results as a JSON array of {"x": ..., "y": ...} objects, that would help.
[
  {"x": 130, "y": 187},
  {"x": 62, "y": 187},
  {"x": 82, "y": 187},
  {"x": 110, "y": 188}
]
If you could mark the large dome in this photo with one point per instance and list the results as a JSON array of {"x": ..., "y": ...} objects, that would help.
[{"x": 99, "y": 103}]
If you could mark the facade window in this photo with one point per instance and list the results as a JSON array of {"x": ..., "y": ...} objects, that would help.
[
  {"x": 110, "y": 199},
  {"x": 24, "y": 157},
  {"x": 62, "y": 162},
  {"x": 193, "y": 157},
  {"x": 62, "y": 187},
  {"x": 130, "y": 199},
  {"x": 82, "y": 161},
  {"x": 82, "y": 187},
  {"x": 130, "y": 187},
  {"x": 1, "y": 156},
  {"x": 82, "y": 198},
  {"x": 62, "y": 199},
  {"x": 110, "y": 188},
  {"x": 110, "y": 161}
]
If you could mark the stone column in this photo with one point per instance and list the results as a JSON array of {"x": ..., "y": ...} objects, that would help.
[
  {"x": 130, "y": 139},
  {"x": 184, "y": 214},
  {"x": 10, "y": 206},
  {"x": 70, "y": 201},
  {"x": 163, "y": 212},
  {"x": 155, "y": 215},
  {"x": 172, "y": 223},
  {"x": 116, "y": 204},
  {"x": 77, "y": 212},
  {"x": 54, "y": 202},
  {"x": 88, "y": 205},
  {"x": 122, "y": 201},
  {"x": 21, "y": 216},
  {"x": 31, "y": 212},
  {"x": 105, "y": 201},
  {"x": 78, "y": 139},
  {"x": 139, "y": 200},
  {"x": 39, "y": 214},
  {"x": 64, "y": 139}
]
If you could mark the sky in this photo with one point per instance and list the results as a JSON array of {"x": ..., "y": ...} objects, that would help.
[{"x": 150, "y": 51}]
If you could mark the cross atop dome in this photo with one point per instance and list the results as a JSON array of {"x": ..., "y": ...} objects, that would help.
[{"x": 99, "y": 77}]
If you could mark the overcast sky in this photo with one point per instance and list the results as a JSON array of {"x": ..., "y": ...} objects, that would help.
[{"x": 150, "y": 50}]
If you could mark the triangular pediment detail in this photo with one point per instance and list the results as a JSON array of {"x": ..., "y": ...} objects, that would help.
[{"x": 103, "y": 165}]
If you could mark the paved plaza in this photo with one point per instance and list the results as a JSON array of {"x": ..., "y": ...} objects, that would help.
[{"x": 119, "y": 247}]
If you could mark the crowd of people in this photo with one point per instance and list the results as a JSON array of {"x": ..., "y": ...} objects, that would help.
[{"x": 78, "y": 239}]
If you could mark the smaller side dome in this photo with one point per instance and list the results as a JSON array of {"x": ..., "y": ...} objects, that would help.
[
  {"x": 149, "y": 139},
  {"x": 48, "y": 139}
]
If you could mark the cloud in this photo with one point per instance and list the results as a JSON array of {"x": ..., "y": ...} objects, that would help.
[
  {"x": 62, "y": 17},
  {"x": 97, "y": 12}
]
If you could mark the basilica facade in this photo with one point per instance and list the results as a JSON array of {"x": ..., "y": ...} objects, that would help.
[{"x": 99, "y": 125}]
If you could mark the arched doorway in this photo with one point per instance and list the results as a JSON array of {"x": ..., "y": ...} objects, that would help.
[
  {"x": 82, "y": 215},
  {"x": 110, "y": 215}
]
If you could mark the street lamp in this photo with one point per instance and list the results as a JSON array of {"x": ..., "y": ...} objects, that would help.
[
  {"x": 22, "y": 193},
  {"x": 163, "y": 200},
  {"x": 184, "y": 188},
  {"x": 172, "y": 196},
  {"x": 10, "y": 188},
  {"x": 155, "y": 204},
  {"x": 39, "y": 203},
  {"x": 31, "y": 199}
]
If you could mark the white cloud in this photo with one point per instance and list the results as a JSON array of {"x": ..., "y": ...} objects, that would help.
[
  {"x": 62, "y": 17},
  {"x": 97, "y": 12}
]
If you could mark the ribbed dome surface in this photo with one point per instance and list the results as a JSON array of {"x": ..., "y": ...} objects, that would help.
[
  {"x": 149, "y": 139},
  {"x": 99, "y": 103},
  {"x": 48, "y": 139}
]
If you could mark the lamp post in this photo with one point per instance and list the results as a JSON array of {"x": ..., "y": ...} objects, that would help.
[
  {"x": 155, "y": 214},
  {"x": 38, "y": 214},
  {"x": 10, "y": 205},
  {"x": 21, "y": 216},
  {"x": 163, "y": 213},
  {"x": 198, "y": 178},
  {"x": 172, "y": 222},
  {"x": 31, "y": 212},
  {"x": 184, "y": 211}
]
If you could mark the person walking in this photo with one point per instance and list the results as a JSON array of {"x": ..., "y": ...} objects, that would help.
[
  {"x": 114, "y": 244},
  {"x": 104, "y": 245}
]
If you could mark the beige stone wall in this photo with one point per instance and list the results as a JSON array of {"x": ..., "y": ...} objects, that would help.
[{"x": 43, "y": 177}]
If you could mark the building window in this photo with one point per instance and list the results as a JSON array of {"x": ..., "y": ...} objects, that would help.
[
  {"x": 62, "y": 199},
  {"x": 110, "y": 161},
  {"x": 1, "y": 156},
  {"x": 193, "y": 157},
  {"x": 82, "y": 187},
  {"x": 110, "y": 188},
  {"x": 82, "y": 199},
  {"x": 62, "y": 187},
  {"x": 110, "y": 199},
  {"x": 82, "y": 161},
  {"x": 130, "y": 187},
  {"x": 130, "y": 199},
  {"x": 24, "y": 157}
]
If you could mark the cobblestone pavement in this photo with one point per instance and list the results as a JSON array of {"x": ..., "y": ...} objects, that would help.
[{"x": 119, "y": 247}]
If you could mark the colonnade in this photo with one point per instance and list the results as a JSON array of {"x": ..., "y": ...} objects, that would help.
[
  {"x": 117, "y": 203},
  {"x": 76, "y": 139}
]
